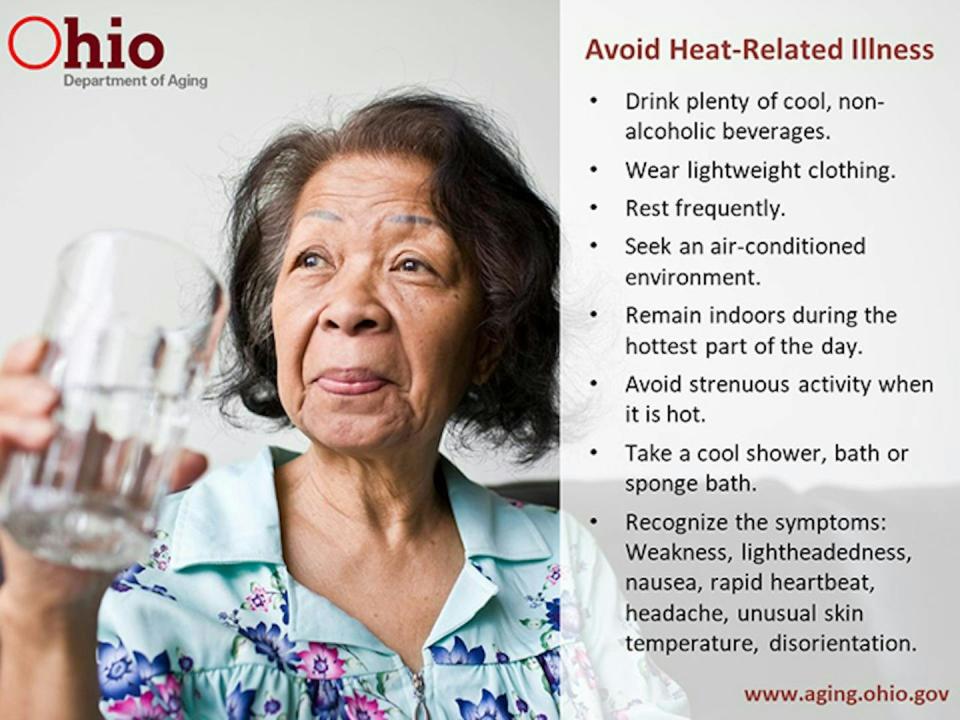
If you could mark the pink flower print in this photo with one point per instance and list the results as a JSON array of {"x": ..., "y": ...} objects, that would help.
[
  {"x": 161, "y": 557},
  {"x": 144, "y": 707},
  {"x": 161, "y": 702},
  {"x": 168, "y": 693},
  {"x": 360, "y": 707},
  {"x": 553, "y": 575},
  {"x": 320, "y": 662},
  {"x": 259, "y": 599}
]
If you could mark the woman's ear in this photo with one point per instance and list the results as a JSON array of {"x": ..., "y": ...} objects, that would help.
[{"x": 488, "y": 354}]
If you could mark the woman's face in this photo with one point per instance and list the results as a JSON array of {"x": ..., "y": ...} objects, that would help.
[{"x": 375, "y": 309}]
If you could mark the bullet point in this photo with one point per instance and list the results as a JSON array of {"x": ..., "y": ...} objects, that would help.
[
  {"x": 593, "y": 99},
  {"x": 593, "y": 244},
  {"x": 593, "y": 168},
  {"x": 593, "y": 451},
  {"x": 593, "y": 313},
  {"x": 593, "y": 206},
  {"x": 593, "y": 521},
  {"x": 593, "y": 382}
]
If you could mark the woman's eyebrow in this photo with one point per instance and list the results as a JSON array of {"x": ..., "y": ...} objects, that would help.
[
  {"x": 404, "y": 218},
  {"x": 323, "y": 215},
  {"x": 412, "y": 219}
]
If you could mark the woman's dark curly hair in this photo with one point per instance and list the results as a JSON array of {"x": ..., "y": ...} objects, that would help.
[{"x": 484, "y": 199}]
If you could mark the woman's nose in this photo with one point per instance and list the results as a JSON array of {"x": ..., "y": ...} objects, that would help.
[{"x": 354, "y": 308}]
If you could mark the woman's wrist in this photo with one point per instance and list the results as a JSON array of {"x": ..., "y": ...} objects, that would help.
[
  {"x": 44, "y": 625},
  {"x": 47, "y": 660}
]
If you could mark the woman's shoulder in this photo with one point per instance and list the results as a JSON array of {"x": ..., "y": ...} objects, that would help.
[
  {"x": 513, "y": 528},
  {"x": 496, "y": 526},
  {"x": 222, "y": 520},
  {"x": 172, "y": 620},
  {"x": 229, "y": 515}
]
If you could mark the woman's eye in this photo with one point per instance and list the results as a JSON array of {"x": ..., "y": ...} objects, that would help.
[
  {"x": 412, "y": 265},
  {"x": 310, "y": 260}
]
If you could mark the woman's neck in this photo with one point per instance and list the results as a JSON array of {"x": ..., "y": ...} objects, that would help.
[
  {"x": 387, "y": 500},
  {"x": 376, "y": 539}
]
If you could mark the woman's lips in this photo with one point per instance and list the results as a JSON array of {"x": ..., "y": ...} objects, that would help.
[{"x": 350, "y": 381}]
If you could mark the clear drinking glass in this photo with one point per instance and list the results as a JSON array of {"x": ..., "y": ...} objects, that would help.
[{"x": 132, "y": 328}]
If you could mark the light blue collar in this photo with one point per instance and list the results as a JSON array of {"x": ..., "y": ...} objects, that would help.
[{"x": 231, "y": 516}]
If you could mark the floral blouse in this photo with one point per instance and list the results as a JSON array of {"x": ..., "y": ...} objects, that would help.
[{"x": 213, "y": 626}]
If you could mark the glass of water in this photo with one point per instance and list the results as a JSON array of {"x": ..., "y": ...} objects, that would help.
[{"x": 132, "y": 328}]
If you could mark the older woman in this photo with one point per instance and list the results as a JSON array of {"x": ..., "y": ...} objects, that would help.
[{"x": 391, "y": 278}]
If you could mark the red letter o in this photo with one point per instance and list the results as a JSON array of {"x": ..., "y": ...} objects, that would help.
[{"x": 13, "y": 51}]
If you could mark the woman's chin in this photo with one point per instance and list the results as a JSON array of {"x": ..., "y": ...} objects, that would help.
[{"x": 355, "y": 434}]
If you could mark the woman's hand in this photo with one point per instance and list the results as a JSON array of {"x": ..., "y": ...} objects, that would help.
[{"x": 48, "y": 612}]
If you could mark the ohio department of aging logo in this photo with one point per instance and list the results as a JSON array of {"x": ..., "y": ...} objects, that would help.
[{"x": 145, "y": 50}]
